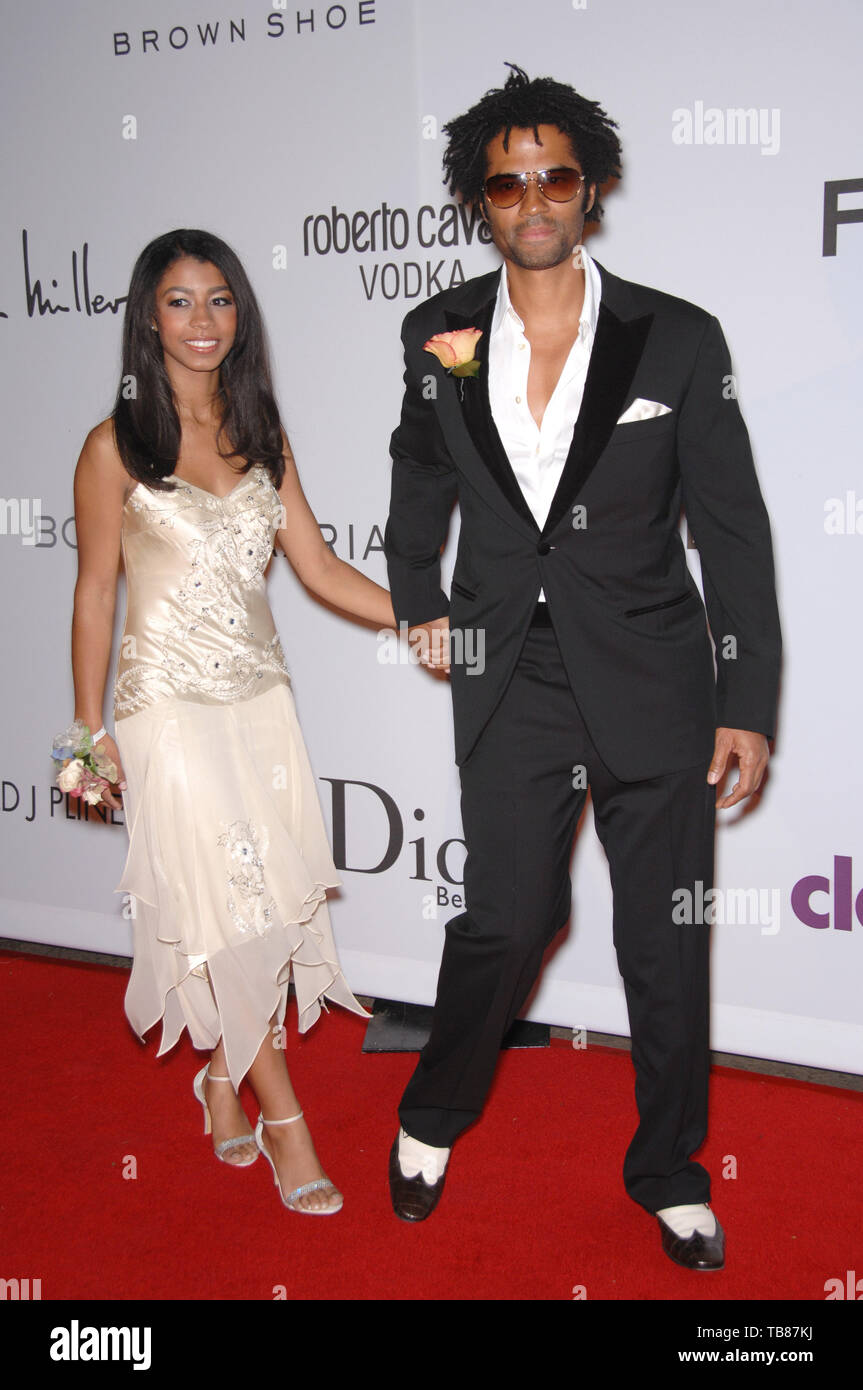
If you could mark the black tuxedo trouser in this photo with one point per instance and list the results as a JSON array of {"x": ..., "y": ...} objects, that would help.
[{"x": 519, "y": 812}]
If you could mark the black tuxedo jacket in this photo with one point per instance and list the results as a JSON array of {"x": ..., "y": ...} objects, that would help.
[{"x": 630, "y": 623}]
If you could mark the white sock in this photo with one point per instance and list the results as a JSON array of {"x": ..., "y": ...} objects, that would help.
[
  {"x": 684, "y": 1221},
  {"x": 416, "y": 1157}
]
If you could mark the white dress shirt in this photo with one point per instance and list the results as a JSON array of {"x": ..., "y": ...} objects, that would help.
[{"x": 537, "y": 454}]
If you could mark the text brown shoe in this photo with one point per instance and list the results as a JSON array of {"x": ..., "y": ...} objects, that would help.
[
  {"x": 696, "y": 1251},
  {"x": 413, "y": 1198}
]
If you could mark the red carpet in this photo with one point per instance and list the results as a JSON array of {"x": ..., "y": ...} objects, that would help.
[{"x": 534, "y": 1202}]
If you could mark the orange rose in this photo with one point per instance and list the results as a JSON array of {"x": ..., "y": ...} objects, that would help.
[{"x": 455, "y": 351}]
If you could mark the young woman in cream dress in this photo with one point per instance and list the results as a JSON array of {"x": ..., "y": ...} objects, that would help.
[{"x": 191, "y": 480}]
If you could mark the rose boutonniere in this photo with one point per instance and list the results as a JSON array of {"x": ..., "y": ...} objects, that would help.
[
  {"x": 88, "y": 772},
  {"x": 455, "y": 351}
]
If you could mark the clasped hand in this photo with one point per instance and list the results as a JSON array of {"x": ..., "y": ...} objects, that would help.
[{"x": 431, "y": 643}]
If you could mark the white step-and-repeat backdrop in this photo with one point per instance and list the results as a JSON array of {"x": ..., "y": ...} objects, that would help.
[{"x": 308, "y": 136}]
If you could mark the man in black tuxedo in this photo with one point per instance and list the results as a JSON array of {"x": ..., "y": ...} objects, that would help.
[{"x": 592, "y": 410}]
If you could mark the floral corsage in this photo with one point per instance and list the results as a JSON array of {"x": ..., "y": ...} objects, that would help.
[
  {"x": 455, "y": 351},
  {"x": 89, "y": 771}
]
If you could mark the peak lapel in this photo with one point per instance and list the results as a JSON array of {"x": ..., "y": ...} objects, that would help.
[
  {"x": 476, "y": 408},
  {"x": 617, "y": 349},
  {"x": 466, "y": 420}
]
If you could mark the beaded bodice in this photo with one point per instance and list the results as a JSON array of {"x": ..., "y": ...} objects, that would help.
[{"x": 198, "y": 625}]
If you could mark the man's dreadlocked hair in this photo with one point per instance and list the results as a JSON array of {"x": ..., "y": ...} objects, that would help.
[{"x": 524, "y": 104}]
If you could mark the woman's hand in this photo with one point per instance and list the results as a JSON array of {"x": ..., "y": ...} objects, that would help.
[
  {"x": 112, "y": 797},
  {"x": 84, "y": 779},
  {"x": 431, "y": 641}
]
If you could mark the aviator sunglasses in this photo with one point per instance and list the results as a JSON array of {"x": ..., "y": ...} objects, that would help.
[{"x": 559, "y": 185}]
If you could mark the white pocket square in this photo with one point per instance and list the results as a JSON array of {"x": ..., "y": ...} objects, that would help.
[{"x": 643, "y": 410}]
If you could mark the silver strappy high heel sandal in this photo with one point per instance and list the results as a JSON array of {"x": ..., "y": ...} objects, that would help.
[
  {"x": 292, "y": 1199},
  {"x": 221, "y": 1149}
]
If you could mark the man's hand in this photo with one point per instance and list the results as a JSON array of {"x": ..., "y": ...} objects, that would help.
[
  {"x": 430, "y": 641},
  {"x": 752, "y": 754}
]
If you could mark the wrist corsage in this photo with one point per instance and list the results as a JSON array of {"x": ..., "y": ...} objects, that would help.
[{"x": 88, "y": 771}]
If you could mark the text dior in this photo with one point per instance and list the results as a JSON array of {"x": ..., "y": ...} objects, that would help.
[{"x": 377, "y": 818}]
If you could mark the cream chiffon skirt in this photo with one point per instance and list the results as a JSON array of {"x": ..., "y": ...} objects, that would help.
[{"x": 227, "y": 871}]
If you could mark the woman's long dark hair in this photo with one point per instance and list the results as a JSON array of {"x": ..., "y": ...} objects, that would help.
[{"x": 146, "y": 423}]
